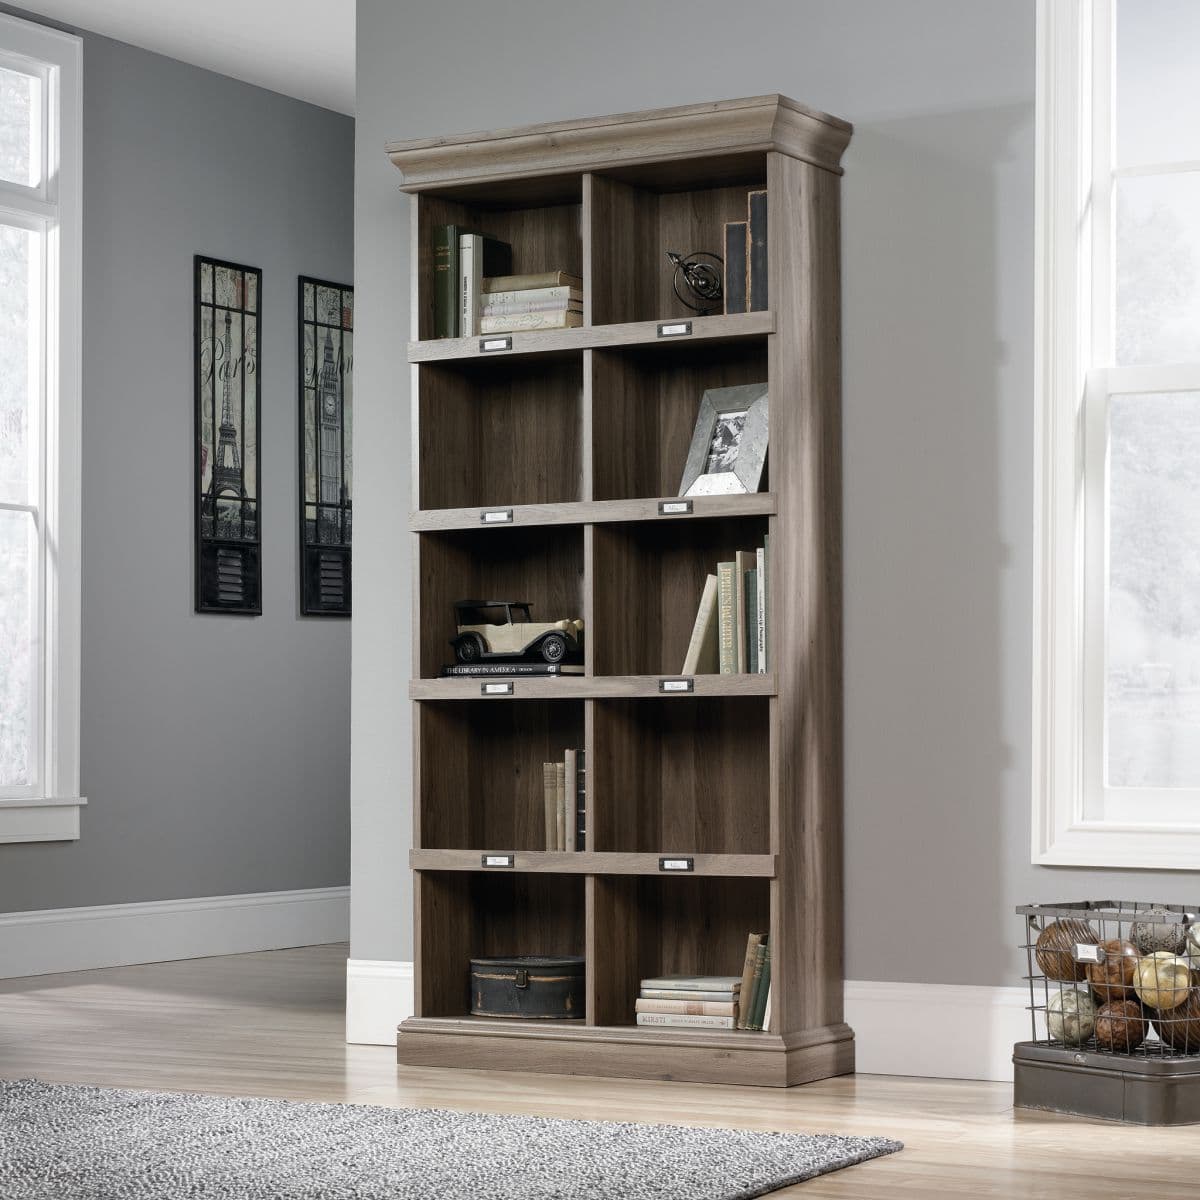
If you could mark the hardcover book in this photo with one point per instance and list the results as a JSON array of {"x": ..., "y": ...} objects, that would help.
[
  {"x": 727, "y": 619},
  {"x": 479, "y": 255},
  {"x": 695, "y": 1008},
  {"x": 760, "y": 597},
  {"x": 532, "y": 300},
  {"x": 684, "y": 1020},
  {"x": 752, "y": 944},
  {"x": 445, "y": 280},
  {"x": 694, "y": 983},
  {"x": 570, "y": 318},
  {"x": 735, "y": 267},
  {"x": 468, "y": 670},
  {"x": 550, "y": 803},
  {"x": 744, "y": 561},
  {"x": 560, "y": 806},
  {"x": 703, "y": 656},
  {"x": 751, "y": 634},
  {"x": 683, "y": 994},
  {"x": 756, "y": 209},
  {"x": 522, "y": 283},
  {"x": 570, "y": 815}
]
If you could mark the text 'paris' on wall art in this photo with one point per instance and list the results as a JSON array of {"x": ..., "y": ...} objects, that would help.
[
  {"x": 326, "y": 369},
  {"x": 228, "y": 518}
]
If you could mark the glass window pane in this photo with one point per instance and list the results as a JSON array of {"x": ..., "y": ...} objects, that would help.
[
  {"x": 1158, "y": 269},
  {"x": 17, "y": 658},
  {"x": 1152, "y": 654},
  {"x": 18, "y": 363},
  {"x": 20, "y": 103},
  {"x": 1157, "y": 100}
]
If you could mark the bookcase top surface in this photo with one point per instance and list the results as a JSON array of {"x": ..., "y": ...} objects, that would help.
[{"x": 722, "y": 129}]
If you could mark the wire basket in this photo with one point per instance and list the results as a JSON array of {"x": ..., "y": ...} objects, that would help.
[{"x": 1114, "y": 977}]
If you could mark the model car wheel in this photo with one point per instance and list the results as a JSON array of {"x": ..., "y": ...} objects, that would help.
[
  {"x": 469, "y": 648},
  {"x": 554, "y": 648}
]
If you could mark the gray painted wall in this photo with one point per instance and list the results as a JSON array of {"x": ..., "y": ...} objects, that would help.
[
  {"x": 938, "y": 343},
  {"x": 215, "y": 749}
]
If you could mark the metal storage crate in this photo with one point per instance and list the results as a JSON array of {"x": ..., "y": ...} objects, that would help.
[{"x": 1114, "y": 1003}]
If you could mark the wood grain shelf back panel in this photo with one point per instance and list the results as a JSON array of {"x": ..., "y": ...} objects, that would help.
[
  {"x": 647, "y": 927},
  {"x": 463, "y": 916},
  {"x": 501, "y": 433},
  {"x": 649, "y": 579},
  {"x": 483, "y": 785},
  {"x": 541, "y": 566},
  {"x": 680, "y": 778},
  {"x": 645, "y": 402}
]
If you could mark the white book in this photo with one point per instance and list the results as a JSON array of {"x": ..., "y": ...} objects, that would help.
[
  {"x": 766, "y": 1018},
  {"x": 762, "y": 610},
  {"x": 533, "y": 299},
  {"x": 470, "y": 269},
  {"x": 678, "y": 1020},
  {"x": 516, "y": 322}
]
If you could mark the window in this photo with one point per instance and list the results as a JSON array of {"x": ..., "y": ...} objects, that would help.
[
  {"x": 39, "y": 432},
  {"x": 1117, "y": 620}
]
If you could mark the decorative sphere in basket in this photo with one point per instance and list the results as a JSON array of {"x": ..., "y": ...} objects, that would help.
[
  {"x": 1152, "y": 936},
  {"x": 1162, "y": 980},
  {"x": 1070, "y": 1016},
  {"x": 1121, "y": 1026},
  {"x": 1180, "y": 1027},
  {"x": 1055, "y": 949},
  {"x": 1112, "y": 978}
]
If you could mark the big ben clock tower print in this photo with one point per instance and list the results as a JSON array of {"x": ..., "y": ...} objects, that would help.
[{"x": 326, "y": 389}]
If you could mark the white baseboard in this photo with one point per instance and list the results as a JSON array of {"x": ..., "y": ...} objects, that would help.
[
  {"x": 933, "y": 1030},
  {"x": 116, "y": 935},
  {"x": 379, "y": 995},
  {"x": 936, "y": 1030}
]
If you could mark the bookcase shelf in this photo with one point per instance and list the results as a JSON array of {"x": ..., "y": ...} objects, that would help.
[{"x": 542, "y": 461}]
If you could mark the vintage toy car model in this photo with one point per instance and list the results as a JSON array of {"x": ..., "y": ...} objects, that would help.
[{"x": 501, "y": 629}]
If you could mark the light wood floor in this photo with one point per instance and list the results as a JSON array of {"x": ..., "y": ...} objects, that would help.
[{"x": 271, "y": 1025}]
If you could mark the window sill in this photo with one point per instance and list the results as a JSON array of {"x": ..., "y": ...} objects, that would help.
[
  {"x": 33, "y": 820},
  {"x": 1138, "y": 847}
]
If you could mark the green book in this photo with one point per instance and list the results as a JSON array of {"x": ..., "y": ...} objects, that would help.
[
  {"x": 750, "y": 633},
  {"x": 751, "y": 1001},
  {"x": 446, "y": 279},
  {"x": 727, "y": 618},
  {"x": 764, "y": 986}
]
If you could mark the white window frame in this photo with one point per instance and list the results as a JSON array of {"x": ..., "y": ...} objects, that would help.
[
  {"x": 49, "y": 811},
  {"x": 1077, "y": 821}
]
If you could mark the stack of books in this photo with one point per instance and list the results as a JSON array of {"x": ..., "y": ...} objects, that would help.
[
  {"x": 695, "y": 1001},
  {"x": 731, "y": 634},
  {"x": 513, "y": 303},
  {"x": 756, "y": 984},
  {"x": 564, "y": 797},
  {"x": 745, "y": 283}
]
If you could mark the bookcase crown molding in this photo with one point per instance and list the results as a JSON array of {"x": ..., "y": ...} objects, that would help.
[{"x": 723, "y": 129}]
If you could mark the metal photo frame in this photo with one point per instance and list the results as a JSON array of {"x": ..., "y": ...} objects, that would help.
[{"x": 729, "y": 445}]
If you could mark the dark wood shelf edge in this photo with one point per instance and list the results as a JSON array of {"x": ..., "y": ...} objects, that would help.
[
  {"x": 593, "y": 512},
  {"x": 593, "y": 687},
  {"x": 724, "y": 328},
  {"x": 598, "y": 862}
]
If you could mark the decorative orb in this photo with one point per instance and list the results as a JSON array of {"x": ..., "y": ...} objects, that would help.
[
  {"x": 1121, "y": 1026},
  {"x": 1180, "y": 1027},
  {"x": 1070, "y": 1016},
  {"x": 1113, "y": 977},
  {"x": 1151, "y": 936},
  {"x": 1162, "y": 980},
  {"x": 1055, "y": 951}
]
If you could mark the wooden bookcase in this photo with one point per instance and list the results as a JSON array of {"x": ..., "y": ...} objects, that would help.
[{"x": 580, "y": 432}]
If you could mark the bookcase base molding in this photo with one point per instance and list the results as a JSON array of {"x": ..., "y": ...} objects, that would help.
[
  {"x": 698, "y": 745},
  {"x": 684, "y": 1055}
]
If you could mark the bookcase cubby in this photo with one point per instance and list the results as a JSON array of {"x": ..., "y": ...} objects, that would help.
[{"x": 543, "y": 464}]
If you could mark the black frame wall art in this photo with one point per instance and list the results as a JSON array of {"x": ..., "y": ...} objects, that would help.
[
  {"x": 228, "y": 299},
  {"x": 326, "y": 374}
]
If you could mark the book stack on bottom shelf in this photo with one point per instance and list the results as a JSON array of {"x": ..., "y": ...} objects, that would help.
[
  {"x": 690, "y": 1001},
  {"x": 564, "y": 798}
]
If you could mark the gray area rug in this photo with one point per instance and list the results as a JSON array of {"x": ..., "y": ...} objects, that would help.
[{"x": 61, "y": 1142}]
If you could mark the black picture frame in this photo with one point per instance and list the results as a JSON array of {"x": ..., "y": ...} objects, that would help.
[
  {"x": 324, "y": 374},
  {"x": 227, "y": 486}
]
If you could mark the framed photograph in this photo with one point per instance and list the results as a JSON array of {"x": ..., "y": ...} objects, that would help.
[
  {"x": 226, "y": 347},
  {"x": 729, "y": 445},
  {"x": 326, "y": 373}
]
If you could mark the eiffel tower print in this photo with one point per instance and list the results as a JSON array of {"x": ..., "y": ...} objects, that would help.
[{"x": 227, "y": 477}]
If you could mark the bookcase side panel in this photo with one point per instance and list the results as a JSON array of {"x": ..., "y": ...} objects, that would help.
[{"x": 806, "y": 741}]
